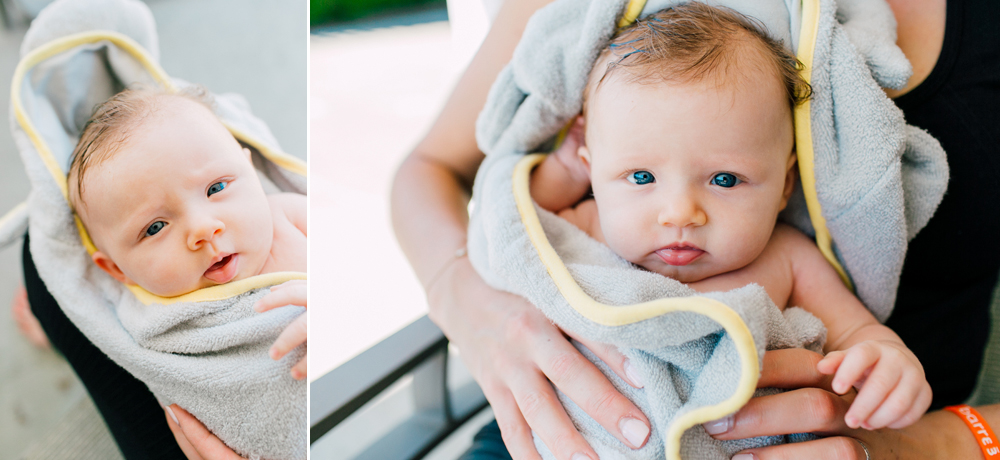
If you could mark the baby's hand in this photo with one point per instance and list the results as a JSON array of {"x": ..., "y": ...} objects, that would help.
[
  {"x": 289, "y": 293},
  {"x": 892, "y": 389},
  {"x": 568, "y": 155},
  {"x": 563, "y": 179}
]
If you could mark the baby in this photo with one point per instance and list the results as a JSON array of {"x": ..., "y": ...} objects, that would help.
[
  {"x": 686, "y": 140},
  {"x": 173, "y": 203}
]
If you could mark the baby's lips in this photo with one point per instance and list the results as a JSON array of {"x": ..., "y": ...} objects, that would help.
[
  {"x": 679, "y": 255},
  {"x": 223, "y": 271}
]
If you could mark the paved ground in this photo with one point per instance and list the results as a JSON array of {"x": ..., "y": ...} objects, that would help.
[
  {"x": 375, "y": 88},
  {"x": 253, "y": 47}
]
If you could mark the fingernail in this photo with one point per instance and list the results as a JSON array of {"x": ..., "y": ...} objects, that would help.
[
  {"x": 579, "y": 456},
  {"x": 273, "y": 353},
  {"x": 256, "y": 307},
  {"x": 632, "y": 374},
  {"x": 744, "y": 457},
  {"x": 851, "y": 422},
  {"x": 172, "y": 416},
  {"x": 296, "y": 374},
  {"x": 634, "y": 431},
  {"x": 719, "y": 426}
]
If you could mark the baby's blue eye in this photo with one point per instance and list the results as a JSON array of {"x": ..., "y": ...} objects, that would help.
[
  {"x": 725, "y": 180},
  {"x": 641, "y": 178},
  {"x": 217, "y": 187},
  {"x": 155, "y": 228}
]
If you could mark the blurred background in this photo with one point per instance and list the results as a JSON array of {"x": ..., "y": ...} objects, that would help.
[
  {"x": 254, "y": 47},
  {"x": 380, "y": 70}
]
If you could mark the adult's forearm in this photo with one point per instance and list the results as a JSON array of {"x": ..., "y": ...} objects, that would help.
[
  {"x": 943, "y": 435},
  {"x": 429, "y": 215}
]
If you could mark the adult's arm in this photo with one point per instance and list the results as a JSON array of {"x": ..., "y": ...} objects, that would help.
[{"x": 512, "y": 350}]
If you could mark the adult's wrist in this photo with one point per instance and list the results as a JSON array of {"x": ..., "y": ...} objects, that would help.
[
  {"x": 938, "y": 435},
  {"x": 444, "y": 295}
]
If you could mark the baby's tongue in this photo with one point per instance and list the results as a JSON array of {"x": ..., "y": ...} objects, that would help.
[{"x": 222, "y": 271}]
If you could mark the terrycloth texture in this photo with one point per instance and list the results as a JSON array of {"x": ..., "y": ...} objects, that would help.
[
  {"x": 878, "y": 182},
  {"x": 693, "y": 365},
  {"x": 211, "y": 358},
  {"x": 878, "y": 179}
]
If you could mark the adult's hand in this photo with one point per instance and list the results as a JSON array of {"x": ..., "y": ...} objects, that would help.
[
  {"x": 514, "y": 352},
  {"x": 812, "y": 406},
  {"x": 195, "y": 440}
]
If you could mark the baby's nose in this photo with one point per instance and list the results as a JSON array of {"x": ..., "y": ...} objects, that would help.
[
  {"x": 204, "y": 231},
  {"x": 682, "y": 211}
]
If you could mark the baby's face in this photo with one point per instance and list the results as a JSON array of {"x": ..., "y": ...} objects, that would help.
[
  {"x": 179, "y": 207},
  {"x": 689, "y": 178}
]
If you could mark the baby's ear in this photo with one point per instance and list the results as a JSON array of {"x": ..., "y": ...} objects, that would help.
[
  {"x": 584, "y": 154},
  {"x": 110, "y": 267},
  {"x": 791, "y": 175}
]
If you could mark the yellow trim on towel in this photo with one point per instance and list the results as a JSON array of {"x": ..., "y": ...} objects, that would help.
[
  {"x": 51, "y": 49},
  {"x": 13, "y": 212},
  {"x": 632, "y": 12},
  {"x": 136, "y": 50},
  {"x": 804, "y": 142},
  {"x": 282, "y": 159},
  {"x": 608, "y": 315},
  {"x": 220, "y": 292}
]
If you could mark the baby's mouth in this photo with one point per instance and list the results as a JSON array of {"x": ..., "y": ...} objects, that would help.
[
  {"x": 679, "y": 254},
  {"x": 224, "y": 270}
]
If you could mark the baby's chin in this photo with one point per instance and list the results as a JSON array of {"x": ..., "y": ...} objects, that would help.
[{"x": 685, "y": 274}]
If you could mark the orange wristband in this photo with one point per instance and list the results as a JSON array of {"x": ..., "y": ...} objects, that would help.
[{"x": 980, "y": 429}]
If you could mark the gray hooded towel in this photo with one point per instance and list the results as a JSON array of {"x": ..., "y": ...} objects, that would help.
[
  {"x": 869, "y": 183},
  {"x": 206, "y": 351}
]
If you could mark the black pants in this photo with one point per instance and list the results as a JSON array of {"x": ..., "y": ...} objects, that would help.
[
  {"x": 487, "y": 445},
  {"x": 131, "y": 412}
]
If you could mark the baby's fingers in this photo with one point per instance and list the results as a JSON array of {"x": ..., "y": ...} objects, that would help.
[
  {"x": 829, "y": 364},
  {"x": 856, "y": 361},
  {"x": 884, "y": 378},
  {"x": 290, "y": 293},
  {"x": 299, "y": 370},
  {"x": 911, "y": 396},
  {"x": 293, "y": 336}
]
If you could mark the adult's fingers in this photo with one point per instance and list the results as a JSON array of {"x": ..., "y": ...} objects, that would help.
[
  {"x": 541, "y": 409},
  {"x": 792, "y": 368},
  {"x": 189, "y": 451},
  {"x": 513, "y": 428},
  {"x": 614, "y": 359},
  {"x": 582, "y": 382},
  {"x": 205, "y": 443},
  {"x": 806, "y": 410},
  {"x": 293, "y": 336},
  {"x": 290, "y": 293},
  {"x": 834, "y": 448}
]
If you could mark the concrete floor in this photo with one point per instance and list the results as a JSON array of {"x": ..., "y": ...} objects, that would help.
[
  {"x": 253, "y": 47},
  {"x": 375, "y": 88}
]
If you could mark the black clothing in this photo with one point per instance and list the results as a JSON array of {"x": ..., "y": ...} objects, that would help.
[
  {"x": 132, "y": 414},
  {"x": 951, "y": 267}
]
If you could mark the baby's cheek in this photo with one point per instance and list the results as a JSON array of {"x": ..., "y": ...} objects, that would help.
[{"x": 622, "y": 235}]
